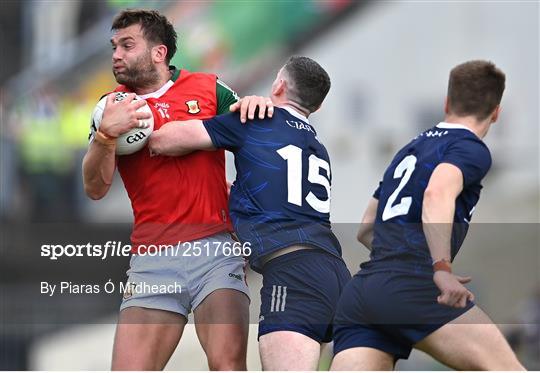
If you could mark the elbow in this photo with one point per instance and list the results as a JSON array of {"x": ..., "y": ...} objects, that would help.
[
  {"x": 95, "y": 184},
  {"x": 361, "y": 236},
  {"x": 434, "y": 200},
  {"x": 93, "y": 193},
  {"x": 365, "y": 240},
  {"x": 430, "y": 199},
  {"x": 94, "y": 196},
  {"x": 365, "y": 234},
  {"x": 433, "y": 196}
]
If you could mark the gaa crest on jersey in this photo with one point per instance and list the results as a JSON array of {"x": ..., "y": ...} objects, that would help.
[{"x": 193, "y": 106}]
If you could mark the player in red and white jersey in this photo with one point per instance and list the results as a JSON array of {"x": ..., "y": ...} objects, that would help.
[
  {"x": 174, "y": 199},
  {"x": 177, "y": 202}
]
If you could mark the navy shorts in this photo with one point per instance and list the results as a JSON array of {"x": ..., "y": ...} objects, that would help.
[
  {"x": 390, "y": 311},
  {"x": 300, "y": 293}
]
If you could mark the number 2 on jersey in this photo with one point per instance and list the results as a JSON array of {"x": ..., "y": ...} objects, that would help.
[
  {"x": 406, "y": 166},
  {"x": 293, "y": 155}
]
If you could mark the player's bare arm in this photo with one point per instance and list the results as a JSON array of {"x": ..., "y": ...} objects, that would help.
[
  {"x": 180, "y": 138},
  {"x": 438, "y": 209},
  {"x": 99, "y": 162},
  {"x": 98, "y": 168},
  {"x": 365, "y": 232},
  {"x": 247, "y": 106}
]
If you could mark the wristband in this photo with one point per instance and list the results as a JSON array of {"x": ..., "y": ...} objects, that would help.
[
  {"x": 104, "y": 139},
  {"x": 442, "y": 265}
]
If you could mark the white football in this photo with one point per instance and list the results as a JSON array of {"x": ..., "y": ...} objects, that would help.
[{"x": 133, "y": 140}]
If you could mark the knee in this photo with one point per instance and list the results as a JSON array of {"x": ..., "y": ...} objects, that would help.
[
  {"x": 227, "y": 361},
  {"x": 226, "y": 364}
]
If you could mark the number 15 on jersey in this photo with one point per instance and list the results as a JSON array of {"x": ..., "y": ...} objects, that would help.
[{"x": 293, "y": 155}]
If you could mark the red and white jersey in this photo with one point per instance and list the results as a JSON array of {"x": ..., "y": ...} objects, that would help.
[{"x": 177, "y": 198}]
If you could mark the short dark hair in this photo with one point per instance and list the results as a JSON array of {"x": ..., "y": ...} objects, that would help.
[
  {"x": 309, "y": 83},
  {"x": 156, "y": 28},
  {"x": 475, "y": 88}
]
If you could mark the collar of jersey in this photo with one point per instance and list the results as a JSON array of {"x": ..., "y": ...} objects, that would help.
[
  {"x": 453, "y": 126},
  {"x": 295, "y": 113},
  {"x": 160, "y": 92}
]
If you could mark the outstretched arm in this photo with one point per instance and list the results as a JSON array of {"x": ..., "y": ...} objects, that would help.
[
  {"x": 183, "y": 137},
  {"x": 180, "y": 138}
]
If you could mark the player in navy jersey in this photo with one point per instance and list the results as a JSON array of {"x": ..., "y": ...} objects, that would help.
[
  {"x": 406, "y": 295},
  {"x": 280, "y": 204}
]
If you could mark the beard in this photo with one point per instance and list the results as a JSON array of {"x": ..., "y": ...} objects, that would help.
[{"x": 140, "y": 74}]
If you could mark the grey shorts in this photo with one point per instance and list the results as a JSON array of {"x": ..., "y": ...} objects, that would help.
[{"x": 179, "y": 278}]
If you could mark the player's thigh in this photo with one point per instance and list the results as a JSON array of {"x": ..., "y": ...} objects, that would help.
[
  {"x": 222, "y": 325},
  {"x": 470, "y": 342},
  {"x": 288, "y": 350},
  {"x": 363, "y": 358},
  {"x": 146, "y": 338}
]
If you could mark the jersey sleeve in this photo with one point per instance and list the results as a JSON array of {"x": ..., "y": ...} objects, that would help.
[
  {"x": 377, "y": 193},
  {"x": 225, "y": 97},
  {"x": 471, "y": 156},
  {"x": 226, "y": 131}
]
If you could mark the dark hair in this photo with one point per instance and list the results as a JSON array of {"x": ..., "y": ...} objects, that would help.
[
  {"x": 155, "y": 27},
  {"x": 308, "y": 82},
  {"x": 475, "y": 88}
]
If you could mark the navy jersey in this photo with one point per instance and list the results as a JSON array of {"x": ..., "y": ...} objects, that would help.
[
  {"x": 399, "y": 242},
  {"x": 281, "y": 195}
]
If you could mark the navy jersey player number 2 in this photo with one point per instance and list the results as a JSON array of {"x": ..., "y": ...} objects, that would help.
[{"x": 401, "y": 195}]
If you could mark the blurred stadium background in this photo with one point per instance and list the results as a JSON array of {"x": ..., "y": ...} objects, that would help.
[{"x": 389, "y": 63}]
